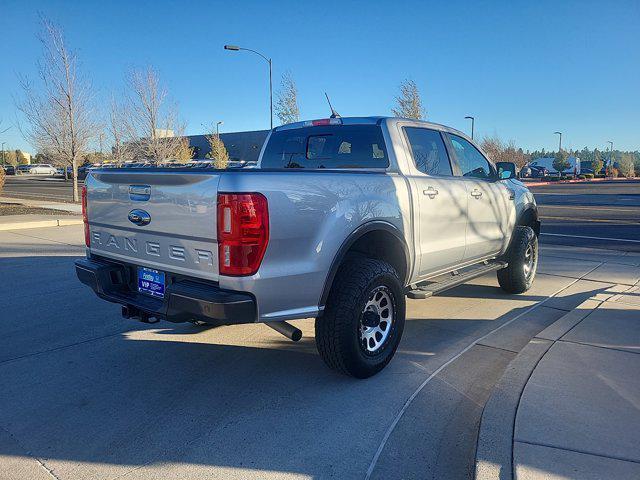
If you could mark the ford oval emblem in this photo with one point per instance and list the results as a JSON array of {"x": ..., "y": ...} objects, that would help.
[{"x": 139, "y": 217}]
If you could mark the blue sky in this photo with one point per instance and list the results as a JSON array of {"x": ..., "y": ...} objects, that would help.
[{"x": 523, "y": 69}]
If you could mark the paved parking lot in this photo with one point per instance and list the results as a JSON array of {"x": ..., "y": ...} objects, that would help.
[{"x": 87, "y": 394}]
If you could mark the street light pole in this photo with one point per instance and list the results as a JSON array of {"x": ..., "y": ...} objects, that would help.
[
  {"x": 235, "y": 48},
  {"x": 218, "y": 128},
  {"x": 473, "y": 121},
  {"x": 3, "y": 161},
  {"x": 560, "y": 144},
  {"x": 610, "y": 156}
]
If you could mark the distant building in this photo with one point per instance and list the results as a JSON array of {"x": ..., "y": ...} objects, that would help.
[
  {"x": 240, "y": 145},
  {"x": 164, "y": 133}
]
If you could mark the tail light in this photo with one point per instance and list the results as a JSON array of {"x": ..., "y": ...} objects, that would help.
[
  {"x": 243, "y": 232},
  {"x": 85, "y": 219}
]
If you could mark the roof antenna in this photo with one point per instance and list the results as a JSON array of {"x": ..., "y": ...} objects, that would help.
[{"x": 334, "y": 114}]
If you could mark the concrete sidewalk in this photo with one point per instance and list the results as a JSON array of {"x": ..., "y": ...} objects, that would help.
[
  {"x": 67, "y": 207},
  {"x": 568, "y": 406},
  {"x": 20, "y": 222}
]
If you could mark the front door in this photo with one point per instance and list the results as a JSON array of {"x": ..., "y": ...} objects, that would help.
[{"x": 440, "y": 202}]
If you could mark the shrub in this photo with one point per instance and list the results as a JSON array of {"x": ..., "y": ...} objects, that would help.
[
  {"x": 554, "y": 179},
  {"x": 600, "y": 175},
  {"x": 582, "y": 177},
  {"x": 588, "y": 175},
  {"x": 1, "y": 178}
]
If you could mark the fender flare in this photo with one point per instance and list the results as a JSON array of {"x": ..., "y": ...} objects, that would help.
[
  {"x": 530, "y": 209},
  {"x": 375, "y": 225}
]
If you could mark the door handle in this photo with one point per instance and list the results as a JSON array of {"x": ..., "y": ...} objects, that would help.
[
  {"x": 430, "y": 192},
  {"x": 476, "y": 193}
]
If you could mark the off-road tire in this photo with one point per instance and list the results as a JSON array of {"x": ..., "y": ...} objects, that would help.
[
  {"x": 516, "y": 278},
  {"x": 338, "y": 330}
]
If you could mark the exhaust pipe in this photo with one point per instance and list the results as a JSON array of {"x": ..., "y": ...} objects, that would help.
[{"x": 286, "y": 329}]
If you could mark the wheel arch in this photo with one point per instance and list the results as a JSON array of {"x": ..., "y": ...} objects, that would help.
[
  {"x": 529, "y": 218},
  {"x": 367, "y": 238}
]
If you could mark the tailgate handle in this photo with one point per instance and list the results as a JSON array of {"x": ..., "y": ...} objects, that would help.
[{"x": 139, "y": 193}]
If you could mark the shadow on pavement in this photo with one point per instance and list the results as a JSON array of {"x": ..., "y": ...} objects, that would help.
[{"x": 94, "y": 395}]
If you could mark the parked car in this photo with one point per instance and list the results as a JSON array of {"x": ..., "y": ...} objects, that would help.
[
  {"x": 9, "y": 169},
  {"x": 42, "y": 169},
  {"x": 341, "y": 219},
  {"x": 538, "y": 171}
]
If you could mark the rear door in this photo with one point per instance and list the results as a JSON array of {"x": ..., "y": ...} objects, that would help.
[
  {"x": 440, "y": 201},
  {"x": 180, "y": 235},
  {"x": 490, "y": 203}
]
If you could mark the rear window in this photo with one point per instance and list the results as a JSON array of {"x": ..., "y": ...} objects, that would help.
[{"x": 331, "y": 146}]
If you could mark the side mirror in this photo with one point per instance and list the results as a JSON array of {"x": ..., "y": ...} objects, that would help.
[{"x": 506, "y": 170}]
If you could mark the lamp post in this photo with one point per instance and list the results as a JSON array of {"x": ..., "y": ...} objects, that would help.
[
  {"x": 560, "y": 141},
  {"x": 610, "y": 156},
  {"x": 218, "y": 128},
  {"x": 473, "y": 121},
  {"x": 3, "y": 131},
  {"x": 235, "y": 48}
]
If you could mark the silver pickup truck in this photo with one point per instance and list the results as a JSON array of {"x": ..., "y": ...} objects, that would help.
[{"x": 341, "y": 220}]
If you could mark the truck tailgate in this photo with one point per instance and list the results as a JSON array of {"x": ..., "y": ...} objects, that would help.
[{"x": 180, "y": 236}]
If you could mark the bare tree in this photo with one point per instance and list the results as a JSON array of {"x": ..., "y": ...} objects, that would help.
[
  {"x": 409, "y": 103},
  {"x": 287, "y": 103},
  {"x": 58, "y": 116},
  {"x": 500, "y": 152},
  {"x": 120, "y": 132},
  {"x": 152, "y": 121}
]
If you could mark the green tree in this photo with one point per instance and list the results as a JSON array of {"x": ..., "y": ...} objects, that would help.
[
  {"x": 184, "y": 152},
  {"x": 409, "y": 103},
  {"x": 561, "y": 161},
  {"x": 218, "y": 151},
  {"x": 597, "y": 163}
]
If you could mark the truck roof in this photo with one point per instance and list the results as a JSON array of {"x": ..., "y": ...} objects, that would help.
[{"x": 373, "y": 120}]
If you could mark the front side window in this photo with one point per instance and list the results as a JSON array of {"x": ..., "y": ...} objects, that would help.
[
  {"x": 429, "y": 152},
  {"x": 327, "y": 146},
  {"x": 472, "y": 162}
]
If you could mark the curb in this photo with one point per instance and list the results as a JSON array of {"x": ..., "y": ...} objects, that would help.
[
  {"x": 494, "y": 448},
  {"x": 56, "y": 222}
]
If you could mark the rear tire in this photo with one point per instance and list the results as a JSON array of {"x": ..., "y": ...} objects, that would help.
[
  {"x": 363, "y": 320},
  {"x": 522, "y": 257}
]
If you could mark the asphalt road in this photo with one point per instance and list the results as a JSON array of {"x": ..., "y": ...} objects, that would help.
[
  {"x": 87, "y": 394},
  {"x": 35, "y": 187},
  {"x": 596, "y": 214}
]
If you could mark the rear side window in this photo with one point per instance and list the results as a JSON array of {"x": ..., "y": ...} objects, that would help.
[
  {"x": 330, "y": 146},
  {"x": 429, "y": 152}
]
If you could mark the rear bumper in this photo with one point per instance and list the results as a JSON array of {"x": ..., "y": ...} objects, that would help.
[{"x": 184, "y": 300}]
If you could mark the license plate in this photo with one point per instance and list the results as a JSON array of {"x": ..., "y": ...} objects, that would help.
[{"x": 151, "y": 282}]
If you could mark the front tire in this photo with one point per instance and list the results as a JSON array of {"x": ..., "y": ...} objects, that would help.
[
  {"x": 522, "y": 257},
  {"x": 362, "y": 324}
]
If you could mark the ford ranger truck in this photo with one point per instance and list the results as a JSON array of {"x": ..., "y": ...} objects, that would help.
[{"x": 340, "y": 221}]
